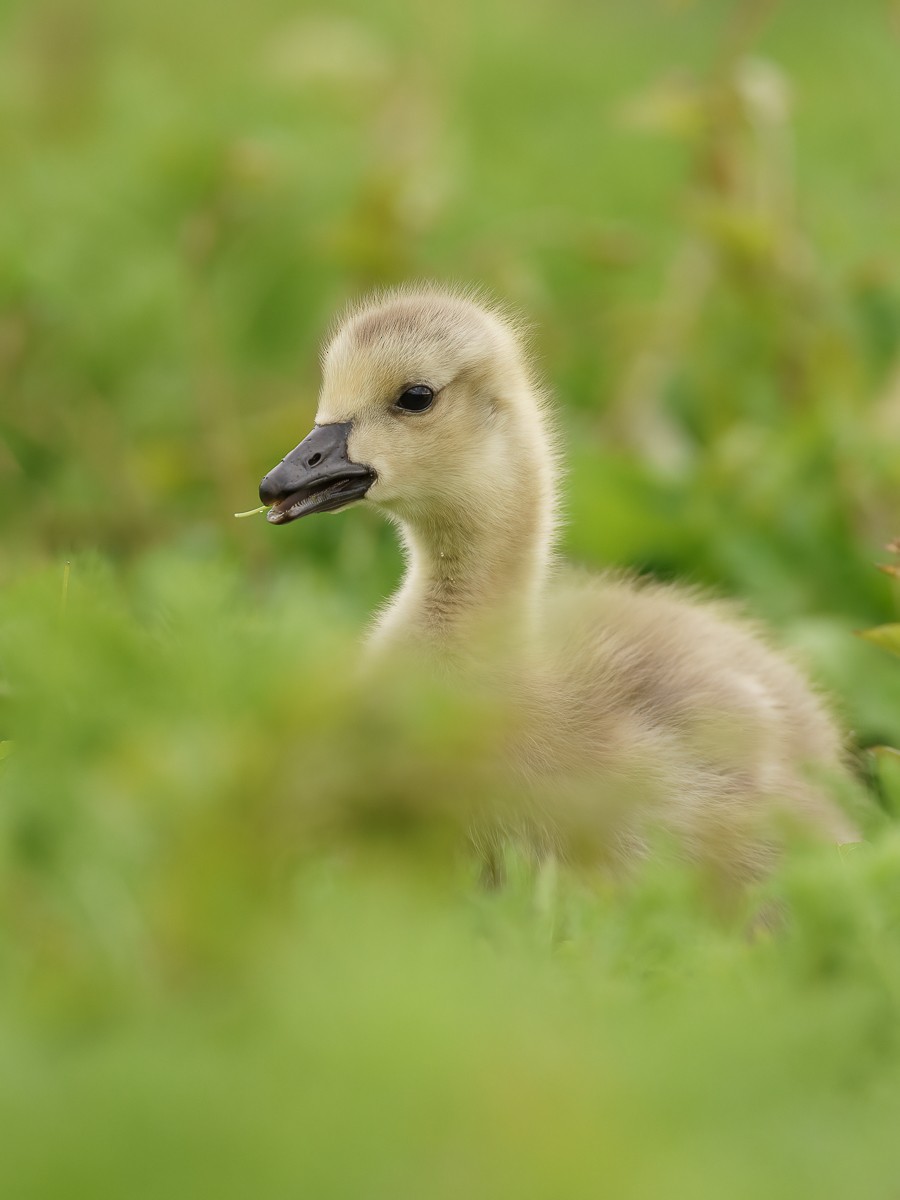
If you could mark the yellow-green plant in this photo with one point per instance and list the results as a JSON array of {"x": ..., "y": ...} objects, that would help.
[{"x": 887, "y": 636}]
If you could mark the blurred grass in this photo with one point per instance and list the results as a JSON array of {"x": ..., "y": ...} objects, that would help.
[{"x": 241, "y": 950}]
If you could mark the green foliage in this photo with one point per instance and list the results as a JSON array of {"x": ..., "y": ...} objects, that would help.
[
  {"x": 886, "y": 636},
  {"x": 242, "y": 946},
  {"x": 243, "y": 949}
]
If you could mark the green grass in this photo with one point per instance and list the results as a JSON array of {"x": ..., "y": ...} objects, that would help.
[{"x": 243, "y": 948}]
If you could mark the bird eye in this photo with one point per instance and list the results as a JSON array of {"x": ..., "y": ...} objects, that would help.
[{"x": 416, "y": 399}]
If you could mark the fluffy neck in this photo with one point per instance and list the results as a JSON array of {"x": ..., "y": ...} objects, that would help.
[{"x": 477, "y": 562}]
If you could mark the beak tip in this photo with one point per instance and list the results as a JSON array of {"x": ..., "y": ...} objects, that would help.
[{"x": 267, "y": 493}]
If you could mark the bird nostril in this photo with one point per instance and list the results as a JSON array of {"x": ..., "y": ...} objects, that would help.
[{"x": 314, "y": 459}]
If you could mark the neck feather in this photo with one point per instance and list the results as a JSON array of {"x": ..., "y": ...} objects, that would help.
[{"x": 477, "y": 565}]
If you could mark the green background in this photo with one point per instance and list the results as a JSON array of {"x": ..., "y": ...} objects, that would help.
[{"x": 239, "y": 954}]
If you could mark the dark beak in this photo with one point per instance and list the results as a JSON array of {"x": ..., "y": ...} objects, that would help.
[{"x": 317, "y": 476}]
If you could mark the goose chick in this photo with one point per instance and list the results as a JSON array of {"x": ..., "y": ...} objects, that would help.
[{"x": 645, "y": 707}]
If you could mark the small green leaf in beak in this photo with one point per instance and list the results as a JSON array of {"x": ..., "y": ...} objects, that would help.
[{"x": 253, "y": 511}]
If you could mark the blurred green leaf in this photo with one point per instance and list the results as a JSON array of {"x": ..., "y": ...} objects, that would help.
[
  {"x": 885, "y": 636},
  {"x": 886, "y": 751}
]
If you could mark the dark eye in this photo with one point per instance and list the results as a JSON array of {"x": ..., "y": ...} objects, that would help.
[{"x": 416, "y": 399}]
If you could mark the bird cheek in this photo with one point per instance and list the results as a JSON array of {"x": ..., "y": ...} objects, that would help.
[
  {"x": 361, "y": 446},
  {"x": 379, "y": 492}
]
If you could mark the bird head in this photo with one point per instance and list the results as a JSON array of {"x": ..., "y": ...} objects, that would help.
[{"x": 425, "y": 406}]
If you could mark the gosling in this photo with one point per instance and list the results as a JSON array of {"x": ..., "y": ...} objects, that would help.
[{"x": 648, "y": 711}]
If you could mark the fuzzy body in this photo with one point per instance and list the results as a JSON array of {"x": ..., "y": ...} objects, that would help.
[{"x": 643, "y": 708}]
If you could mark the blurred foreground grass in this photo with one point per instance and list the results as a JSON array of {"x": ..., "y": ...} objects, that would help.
[
  {"x": 241, "y": 950},
  {"x": 245, "y": 953}
]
